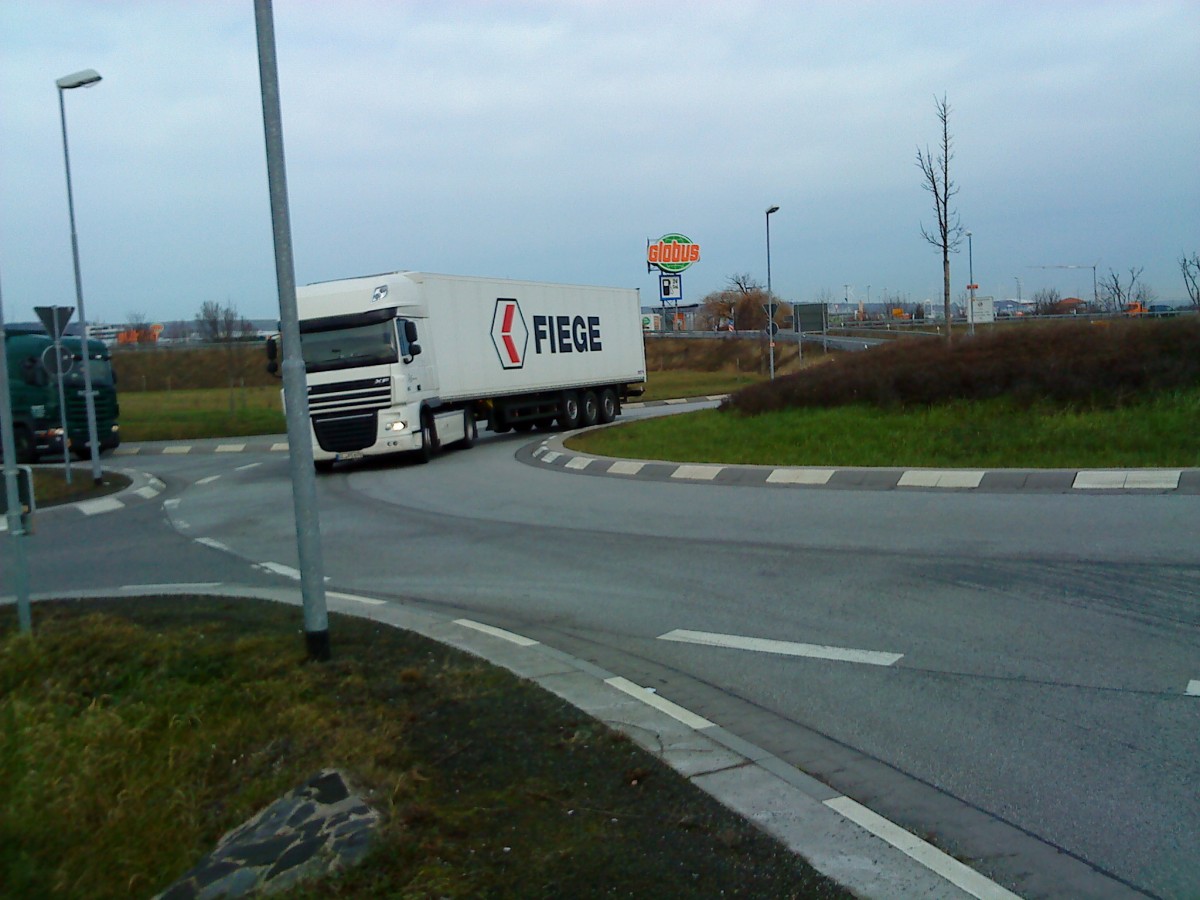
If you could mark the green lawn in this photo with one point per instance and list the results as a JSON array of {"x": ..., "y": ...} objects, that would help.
[
  {"x": 994, "y": 434},
  {"x": 670, "y": 384},
  {"x": 208, "y": 413},
  {"x": 135, "y": 732}
]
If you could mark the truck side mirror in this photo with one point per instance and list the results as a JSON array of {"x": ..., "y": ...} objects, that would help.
[
  {"x": 410, "y": 331},
  {"x": 414, "y": 350}
]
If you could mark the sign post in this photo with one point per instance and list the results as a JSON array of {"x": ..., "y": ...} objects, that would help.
[{"x": 55, "y": 319}]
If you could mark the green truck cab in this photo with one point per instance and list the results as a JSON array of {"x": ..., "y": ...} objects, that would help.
[{"x": 37, "y": 421}]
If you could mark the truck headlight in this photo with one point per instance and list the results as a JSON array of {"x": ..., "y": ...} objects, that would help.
[{"x": 397, "y": 425}]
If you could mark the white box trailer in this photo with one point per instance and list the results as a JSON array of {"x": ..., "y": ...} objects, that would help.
[{"x": 411, "y": 361}]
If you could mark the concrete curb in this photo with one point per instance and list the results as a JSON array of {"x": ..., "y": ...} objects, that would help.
[{"x": 859, "y": 849}]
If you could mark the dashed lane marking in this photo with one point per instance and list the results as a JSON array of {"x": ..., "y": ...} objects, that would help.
[
  {"x": 149, "y": 492},
  {"x": 285, "y": 571},
  {"x": 579, "y": 462},
  {"x": 647, "y": 696},
  {"x": 178, "y": 448},
  {"x": 209, "y": 480},
  {"x": 369, "y": 601},
  {"x": 1193, "y": 688},
  {"x": 280, "y": 446},
  {"x": 99, "y": 505},
  {"x": 247, "y": 466},
  {"x": 926, "y": 854},
  {"x": 785, "y": 648},
  {"x": 230, "y": 448},
  {"x": 214, "y": 544},
  {"x": 550, "y": 456},
  {"x": 518, "y": 639}
]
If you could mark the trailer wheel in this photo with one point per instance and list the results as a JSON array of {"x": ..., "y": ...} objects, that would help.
[
  {"x": 470, "y": 429},
  {"x": 24, "y": 445},
  {"x": 568, "y": 411},
  {"x": 589, "y": 413},
  {"x": 608, "y": 405}
]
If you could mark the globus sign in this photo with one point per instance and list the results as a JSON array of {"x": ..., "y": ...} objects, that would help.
[{"x": 672, "y": 253}]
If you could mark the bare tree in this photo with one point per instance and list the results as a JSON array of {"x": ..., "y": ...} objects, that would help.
[
  {"x": 935, "y": 172},
  {"x": 1045, "y": 301},
  {"x": 1190, "y": 267},
  {"x": 739, "y": 303},
  {"x": 219, "y": 324},
  {"x": 1115, "y": 294}
]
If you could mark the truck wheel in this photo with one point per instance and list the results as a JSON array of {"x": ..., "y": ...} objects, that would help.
[
  {"x": 428, "y": 439},
  {"x": 470, "y": 429},
  {"x": 589, "y": 413},
  {"x": 24, "y": 445},
  {"x": 568, "y": 411},
  {"x": 608, "y": 405}
]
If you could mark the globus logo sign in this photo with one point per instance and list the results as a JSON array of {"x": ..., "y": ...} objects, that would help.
[
  {"x": 510, "y": 335},
  {"x": 673, "y": 253}
]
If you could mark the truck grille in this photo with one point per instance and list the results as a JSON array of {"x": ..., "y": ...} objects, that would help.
[{"x": 344, "y": 414}]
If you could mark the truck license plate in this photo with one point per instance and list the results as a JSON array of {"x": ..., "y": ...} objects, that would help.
[{"x": 350, "y": 454}]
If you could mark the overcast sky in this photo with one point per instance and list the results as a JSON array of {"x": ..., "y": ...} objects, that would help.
[{"x": 548, "y": 140}]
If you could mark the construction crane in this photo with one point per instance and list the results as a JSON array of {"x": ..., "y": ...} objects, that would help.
[{"x": 1095, "y": 293}]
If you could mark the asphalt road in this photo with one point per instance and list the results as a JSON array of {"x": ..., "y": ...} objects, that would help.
[{"x": 1009, "y": 674}]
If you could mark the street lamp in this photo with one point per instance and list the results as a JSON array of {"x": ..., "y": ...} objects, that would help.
[
  {"x": 770, "y": 296},
  {"x": 971, "y": 286},
  {"x": 86, "y": 78}
]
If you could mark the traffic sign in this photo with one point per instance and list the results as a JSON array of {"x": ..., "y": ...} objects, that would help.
[
  {"x": 54, "y": 318},
  {"x": 58, "y": 360},
  {"x": 772, "y": 329}
]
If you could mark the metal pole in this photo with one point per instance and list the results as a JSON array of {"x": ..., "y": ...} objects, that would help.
[
  {"x": 770, "y": 296},
  {"x": 971, "y": 275},
  {"x": 89, "y": 398},
  {"x": 62, "y": 400},
  {"x": 295, "y": 391},
  {"x": 11, "y": 494}
]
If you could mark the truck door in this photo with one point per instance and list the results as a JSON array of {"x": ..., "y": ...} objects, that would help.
[{"x": 420, "y": 368}]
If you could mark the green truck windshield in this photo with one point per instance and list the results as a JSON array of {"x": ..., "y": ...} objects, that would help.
[{"x": 344, "y": 348}]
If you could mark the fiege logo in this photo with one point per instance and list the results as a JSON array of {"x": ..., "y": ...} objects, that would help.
[
  {"x": 510, "y": 335},
  {"x": 551, "y": 334}
]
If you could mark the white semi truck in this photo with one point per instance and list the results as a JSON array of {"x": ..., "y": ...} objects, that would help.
[{"x": 411, "y": 361}]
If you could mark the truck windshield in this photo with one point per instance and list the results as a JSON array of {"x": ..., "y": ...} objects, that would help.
[
  {"x": 102, "y": 372},
  {"x": 344, "y": 348}
]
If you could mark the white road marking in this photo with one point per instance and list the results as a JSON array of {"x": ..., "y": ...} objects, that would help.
[
  {"x": 101, "y": 505},
  {"x": 1193, "y": 688},
  {"x": 171, "y": 504},
  {"x": 550, "y": 456},
  {"x": 216, "y": 545},
  {"x": 173, "y": 586},
  {"x": 148, "y": 492},
  {"x": 1141, "y": 479},
  {"x": 926, "y": 854},
  {"x": 539, "y": 451},
  {"x": 674, "y": 402},
  {"x": 579, "y": 462},
  {"x": 625, "y": 467},
  {"x": 209, "y": 480},
  {"x": 647, "y": 696},
  {"x": 786, "y": 648},
  {"x": 180, "y": 448},
  {"x": 800, "y": 476},
  {"x": 247, "y": 466},
  {"x": 697, "y": 473},
  {"x": 277, "y": 447},
  {"x": 519, "y": 640},
  {"x": 285, "y": 571},
  {"x": 230, "y": 448},
  {"x": 370, "y": 601},
  {"x": 127, "y": 451},
  {"x": 953, "y": 478}
]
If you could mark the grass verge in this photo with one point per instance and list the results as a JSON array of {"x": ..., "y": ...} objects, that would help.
[
  {"x": 134, "y": 732},
  {"x": 204, "y": 413},
  {"x": 668, "y": 385},
  {"x": 50, "y": 486},
  {"x": 997, "y": 433}
]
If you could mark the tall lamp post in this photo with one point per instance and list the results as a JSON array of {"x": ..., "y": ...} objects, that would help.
[
  {"x": 86, "y": 78},
  {"x": 770, "y": 296},
  {"x": 971, "y": 286}
]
